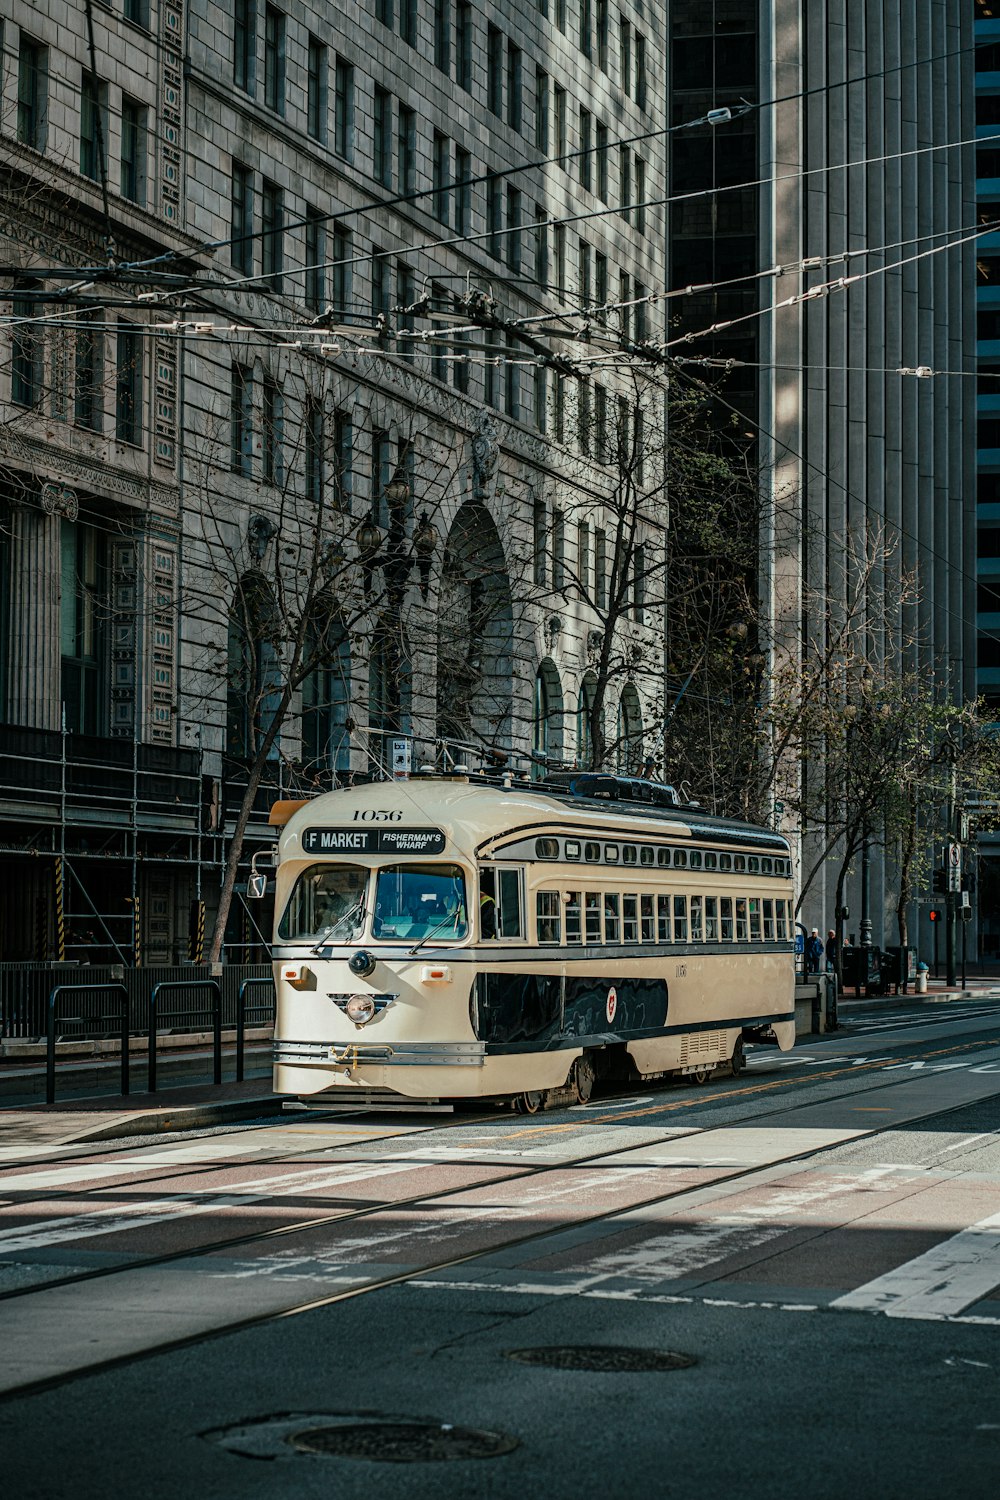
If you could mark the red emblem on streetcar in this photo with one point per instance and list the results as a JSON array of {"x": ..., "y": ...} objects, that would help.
[{"x": 612, "y": 1004}]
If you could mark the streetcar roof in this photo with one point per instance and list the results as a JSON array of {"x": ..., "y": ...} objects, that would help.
[{"x": 473, "y": 814}]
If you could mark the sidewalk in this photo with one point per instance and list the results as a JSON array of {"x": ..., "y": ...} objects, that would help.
[{"x": 89, "y": 1107}]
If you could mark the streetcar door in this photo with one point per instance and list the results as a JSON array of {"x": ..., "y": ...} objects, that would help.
[{"x": 501, "y": 888}]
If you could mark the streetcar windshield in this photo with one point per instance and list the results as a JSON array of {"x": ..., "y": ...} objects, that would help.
[
  {"x": 420, "y": 901},
  {"x": 327, "y": 902}
]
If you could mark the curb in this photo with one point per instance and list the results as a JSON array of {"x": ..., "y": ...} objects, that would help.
[{"x": 185, "y": 1117}]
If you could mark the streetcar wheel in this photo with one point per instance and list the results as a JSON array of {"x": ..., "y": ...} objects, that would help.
[
  {"x": 700, "y": 1077},
  {"x": 581, "y": 1079},
  {"x": 530, "y": 1103},
  {"x": 738, "y": 1061}
]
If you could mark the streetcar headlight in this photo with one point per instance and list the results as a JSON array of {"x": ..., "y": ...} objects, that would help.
[{"x": 360, "y": 1009}]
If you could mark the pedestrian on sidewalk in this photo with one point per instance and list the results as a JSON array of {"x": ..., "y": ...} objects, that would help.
[
  {"x": 831, "y": 951},
  {"x": 814, "y": 951}
]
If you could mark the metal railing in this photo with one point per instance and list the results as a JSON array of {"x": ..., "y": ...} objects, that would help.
[
  {"x": 50, "y": 1030},
  {"x": 241, "y": 1017},
  {"x": 215, "y": 990},
  {"x": 25, "y": 988}
]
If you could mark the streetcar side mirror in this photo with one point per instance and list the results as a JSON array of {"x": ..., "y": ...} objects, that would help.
[{"x": 256, "y": 887}]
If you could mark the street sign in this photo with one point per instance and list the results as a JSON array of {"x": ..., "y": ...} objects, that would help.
[
  {"x": 401, "y": 759},
  {"x": 953, "y": 865}
]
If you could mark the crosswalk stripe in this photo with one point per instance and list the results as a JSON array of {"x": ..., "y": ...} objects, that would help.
[{"x": 940, "y": 1283}]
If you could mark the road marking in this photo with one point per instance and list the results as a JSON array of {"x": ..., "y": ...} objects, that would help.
[
  {"x": 938, "y": 1284},
  {"x": 115, "y": 1219}
]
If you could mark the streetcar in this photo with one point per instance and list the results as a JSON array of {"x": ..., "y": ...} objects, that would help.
[{"x": 468, "y": 935}]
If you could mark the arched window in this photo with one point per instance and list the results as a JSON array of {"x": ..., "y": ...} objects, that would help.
[
  {"x": 253, "y": 683},
  {"x": 475, "y": 633},
  {"x": 584, "y": 721},
  {"x": 326, "y": 694},
  {"x": 629, "y": 746},
  {"x": 547, "y": 719},
  {"x": 390, "y": 689}
]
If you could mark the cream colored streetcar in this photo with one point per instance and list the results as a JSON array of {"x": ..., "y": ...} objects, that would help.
[{"x": 467, "y": 936}]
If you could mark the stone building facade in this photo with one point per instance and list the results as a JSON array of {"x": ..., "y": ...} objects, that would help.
[{"x": 273, "y": 363}]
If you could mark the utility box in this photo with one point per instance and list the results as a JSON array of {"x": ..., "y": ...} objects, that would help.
[{"x": 862, "y": 969}]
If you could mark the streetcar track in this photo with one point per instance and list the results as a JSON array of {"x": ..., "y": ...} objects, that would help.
[
  {"x": 399, "y": 1278},
  {"x": 525, "y": 1172}
]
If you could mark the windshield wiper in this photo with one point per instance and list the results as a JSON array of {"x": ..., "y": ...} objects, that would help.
[
  {"x": 451, "y": 916},
  {"x": 357, "y": 910}
]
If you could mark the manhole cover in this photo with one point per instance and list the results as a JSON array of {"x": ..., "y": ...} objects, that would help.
[
  {"x": 602, "y": 1357},
  {"x": 402, "y": 1442}
]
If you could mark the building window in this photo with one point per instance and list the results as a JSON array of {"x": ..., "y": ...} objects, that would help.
[
  {"x": 439, "y": 363},
  {"x": 440, "y": 178},
  {"x": 83, "y": 627},
  {"x": 625, "y": 183},
  {"x": 583, "y": 273},
  {"x": 381, "y": 284},
  {"x": 137, "y": 11},
  {"x": 128, "y": 385},
  {"x": 408, "y": 21},
  {"x": 513, "y": 86},
  {"x": 133, "y": 164},
  {"x": 342, "y": 277},
  {"x": 93, "y": 127},
  {"x": 89, "y": 370},
  {"x": 541, "y": 397},
  {"x": 26, "y": 351},
  {"x": 639, "y": 586},
  {"x": 315, "y": 277},
  {"x": 560, "y": 122},
  {"x": 559, "y": 235},
  {"x": 383, "y": 12},
  {"x": 624, "y": 54},
  {"x": 641, "y": 313},
  {"x": 640, "y": 195},
  {"x": 316, "y": 90},
  {"x": 272, "y": 220},
  {"x": 494, "y": 70},
  {"x": 326, "y": 696},
  {"x": 463, "y": 191},
  {"x": 513, "y": 229},
  {"x": 512, "y": 386},
  {"x": 561, "y": 15},
  {"x": 625, "y": 305},
  {"x": 442, "y": 35},
  {"x": 540, "y": 553},
  {"x": 32, "y": 90},
  {"x": 559, "y": 407},
  {"x": 491, "y": 373},
  {"x": 274, "y": 59},
  {"x": 273, "y": 453},
  {"x": 460, "y": 363},
  {"x": 541, "y": 245},
  {"x": 343, "y": 109},
  {"x": 406, "y": 295},
  {"x": 601, "y": 283},
  {"x": 242, "y": 245},
  {"x": 583, "y": 557},
  {"x": 407, "y": 149},
  {"x": 584, "y": 418},
  {"x": 640, "y": 70},
  {"x": 586, "y": 28},
  {"x": 542, "y": 111},
  {"x": 600, "y": 569},
  {"x": 586, "y": 145},
  {"x": 463, "y": 45},
  {"x": 244, "y": 44},
  {"x": 601, "y": 158},
  {"x": 382, "y": 163},
  {"x": 600, "y": 423},
  {"x": 602, "y": 35},
  {"x": 313, "y": 456},
  {"x": 558, "y": 550},
  {"x": 343, "y": 460},
  {"x": 494, "y": 213},
  {"x": 241, "y": 420}
]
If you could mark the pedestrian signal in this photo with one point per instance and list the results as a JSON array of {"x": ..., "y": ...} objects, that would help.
[{"x": 935, "y": 916}]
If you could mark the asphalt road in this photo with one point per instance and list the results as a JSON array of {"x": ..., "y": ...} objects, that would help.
[{"x": 332, "y": 1307}]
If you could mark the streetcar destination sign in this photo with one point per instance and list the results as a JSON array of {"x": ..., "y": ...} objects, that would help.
[{"x": 373, "y": 841}]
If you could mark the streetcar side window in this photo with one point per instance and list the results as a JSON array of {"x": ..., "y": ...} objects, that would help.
[
  {"x": 574, "y": 929},
  {"x": 710, "y": 861},
  {"x": 697, "y": 931},
  {"x": 611, "y": 854},
  {"x": 509, "y": 896},
  {"x": 648, "y": 919},
  {"x": 711, "y": 919},
  {"x": 572, "y": 849},
  {"x": 742, "y": 928},
  {"x": 611, "y": 921},
  {"x": 695, "y": 859},
  {"x": 629, "y": 854},
  {"x": 755, "y": 932},
  {"x": 739, "y": 862},
  {"x": 768, "y": 921},
  {"x": 753, "y": 864},
  {"x": 592, "y": 910},
  {"x": 549, "y": 917},
  {"x": 782, "y": 921},
  {"x": 725, "y": 861},
  {"x": 766, "y": 866},
  {"x": 680, "y": 919},
  {"x": 680, "y": 859},
  {"x": 630, "y": 919},
  {"x": 726, "y": 905},
  {"x": 647, "y": 855},
  {"x": 592, "y": 853},
  {"x": 663, "y": 918},
  {"x": 547, "y": 848},
  {"x": 662, "y": 857}
]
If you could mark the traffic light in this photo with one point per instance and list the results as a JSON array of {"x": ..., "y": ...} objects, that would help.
[
  {"x": 935, "y": 916},
  {"x": 939, "y": 882}
]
